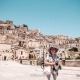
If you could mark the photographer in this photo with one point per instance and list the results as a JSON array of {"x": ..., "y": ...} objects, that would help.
[{"x": 53, "y": 61}]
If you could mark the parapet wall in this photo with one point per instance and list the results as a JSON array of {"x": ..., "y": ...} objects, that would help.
[
  {"x": 69, "y": 63},
  {"x": 72, "y": 63}
]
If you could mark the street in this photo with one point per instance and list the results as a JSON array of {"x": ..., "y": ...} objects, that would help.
[{"x": 11, "y": 70}]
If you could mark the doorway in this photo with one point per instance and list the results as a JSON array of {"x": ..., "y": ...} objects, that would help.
[{"x": 4, "y": 58}]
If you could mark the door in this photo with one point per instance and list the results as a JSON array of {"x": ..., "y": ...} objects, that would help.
[
  {"x": 4, "y": 58},
  {"x": 30, "y": 62}
]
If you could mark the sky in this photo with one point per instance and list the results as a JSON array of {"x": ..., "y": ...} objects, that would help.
[{"x": 53, "y": 17}]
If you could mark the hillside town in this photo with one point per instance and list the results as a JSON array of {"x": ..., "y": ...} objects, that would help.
[{"x": 19, "y": 42}]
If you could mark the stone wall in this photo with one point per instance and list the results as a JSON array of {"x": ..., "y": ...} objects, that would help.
[
  {"x": 72, "y": 63},
  {"x": 27, "y": 62},
  {"x": 69, "y": 63}
]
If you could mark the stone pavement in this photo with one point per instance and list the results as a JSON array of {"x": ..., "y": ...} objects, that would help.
[{"x": 10, "y": 70}]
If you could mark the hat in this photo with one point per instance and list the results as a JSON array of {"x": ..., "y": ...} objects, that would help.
[{"x": 53, "y": 47}]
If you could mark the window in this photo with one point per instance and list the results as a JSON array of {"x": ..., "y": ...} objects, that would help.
[
  {"x": 21, "y": 52},
  {"x": 59, "y": 43},
  {"x": 8, "y": 28},
  {"x": 22, "y": 56},
  {"x": 6, "y": 50},
  {"x": 0, "y": 27},
  {"x": 40, "y": 42}
]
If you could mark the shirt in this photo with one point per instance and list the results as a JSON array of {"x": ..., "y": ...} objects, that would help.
[{"x": 50, "y": 58}]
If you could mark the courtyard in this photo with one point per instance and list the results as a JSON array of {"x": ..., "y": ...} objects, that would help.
[{"x": 11, "y": 70}]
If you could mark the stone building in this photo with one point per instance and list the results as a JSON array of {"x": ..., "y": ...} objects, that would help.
[
  {"x": 21, "y": 54},
  {"x": 62, "y": 53},
  {"x": 5, "y": 52},
  {"x": 62, "y": 37},
  {"x": 5, "y": 26},
  {"x": 32, "y": 39}
]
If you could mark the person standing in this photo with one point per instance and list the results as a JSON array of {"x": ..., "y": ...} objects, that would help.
[{"x": 53, "y": 61}]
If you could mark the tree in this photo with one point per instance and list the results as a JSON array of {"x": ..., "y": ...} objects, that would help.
[
  {"x": 74, "y": 49},
  {"x": 31, "y": 51}
]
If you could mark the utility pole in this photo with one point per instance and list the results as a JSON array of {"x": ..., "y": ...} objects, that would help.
[
  {"x": 33, "y": 57},
  {"x": 43, "y": 57}
]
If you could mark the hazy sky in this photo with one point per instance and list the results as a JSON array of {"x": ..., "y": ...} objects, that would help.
[{"x": 53, "y": 17}]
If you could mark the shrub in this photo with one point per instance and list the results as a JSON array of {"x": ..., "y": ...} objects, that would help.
[
  {"x": 60, "y": 58},
  {"x": 67, "y": 58},
  {"x": 74, "y": 49},
  {"x": 31, "y": 51},
  {"x": 78, "y": 57}
]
